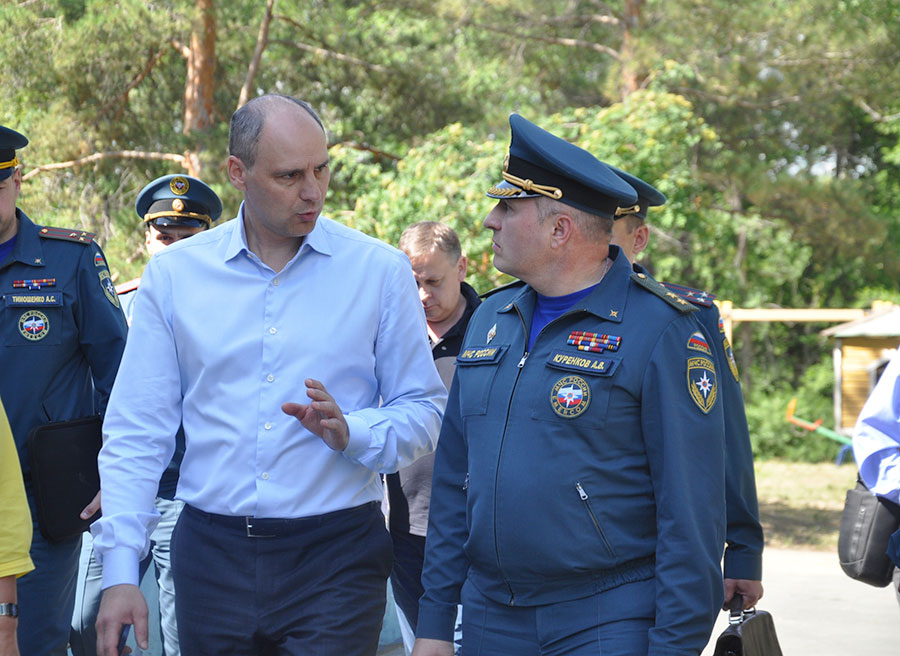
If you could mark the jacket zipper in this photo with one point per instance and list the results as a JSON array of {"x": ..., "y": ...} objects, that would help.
[{"x": 584, "y": 498}]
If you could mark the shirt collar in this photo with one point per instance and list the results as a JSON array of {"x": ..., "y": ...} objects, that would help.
[
  {"x": 28, "y": 249},
  {"x": 316, "y": 240},
  {"x": 607, "y": 301}
]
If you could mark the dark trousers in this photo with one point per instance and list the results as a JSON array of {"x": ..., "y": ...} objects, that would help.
[
  {"x": 406, "y": 576},
  {"x": 309, "y": 587},
  {"x": 611, "y": 623}
]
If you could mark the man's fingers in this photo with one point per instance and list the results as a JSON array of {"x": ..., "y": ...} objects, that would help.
[
  {"x": 297, "y": 410},
  {"x": 92, "y": 507}
]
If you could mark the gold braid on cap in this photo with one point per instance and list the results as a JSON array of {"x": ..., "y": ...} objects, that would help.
[
  {"x": 526, "y": 185},
  {"x": 183, "y": 215},
  {"x": 11, "y": 163},
  {"x": 622, "y": 211}
]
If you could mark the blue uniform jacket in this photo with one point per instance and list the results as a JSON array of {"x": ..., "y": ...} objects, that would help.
[
  {"x": 62, "y": 330},
  {"x": 561, "y": 473},
  {"x": 743, "y": 532}
]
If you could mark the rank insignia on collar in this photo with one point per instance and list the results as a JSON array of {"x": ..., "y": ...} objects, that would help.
[
  {"x": 586, "y": 341},
  {"x": 697, "y": 342},
  {"x": 492, "y": 333},
  {"x": 614, "y": 313},
  {"x": 570, "y": 397},
  {"x": 701, "y": 380},
  {"x": 34, "y": 325},
  {"x": 34, "y": 283}
]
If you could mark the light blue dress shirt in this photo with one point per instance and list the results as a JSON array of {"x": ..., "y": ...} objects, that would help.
[
  {"x": 220, "y": 341},
  {"x": 876, "y": 438}
]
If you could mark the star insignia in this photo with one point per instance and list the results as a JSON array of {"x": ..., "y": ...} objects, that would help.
[
  {"x": 37, "y": 260},
  {"x": 614, "y": 313}
]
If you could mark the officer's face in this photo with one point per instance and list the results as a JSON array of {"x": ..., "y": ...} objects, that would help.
[
  {"x": 285, "y": 189},
  {"x": 438, "y": 278},
  {"x": 518, "y": 237},
  {"x": 158, "y": 237},
  {"x": 9, "y": 192}
]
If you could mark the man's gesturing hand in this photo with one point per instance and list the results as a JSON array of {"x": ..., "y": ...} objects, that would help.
[{"x": 321, "y": 415}]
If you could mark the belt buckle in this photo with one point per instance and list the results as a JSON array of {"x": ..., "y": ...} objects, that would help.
[{"x": 250, "y": 533}]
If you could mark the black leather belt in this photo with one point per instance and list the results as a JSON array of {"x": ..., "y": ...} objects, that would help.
[{"x": 271, "y": 527}]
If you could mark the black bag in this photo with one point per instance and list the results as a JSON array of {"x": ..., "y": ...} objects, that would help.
[
  {"x": 64, "y": 474},
  {"x": 749, "y": 633},
  {"x": 867, "y": 523}
]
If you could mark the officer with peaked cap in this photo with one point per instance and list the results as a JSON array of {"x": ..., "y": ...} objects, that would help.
[
  {"x": 743, "y": 534},
  {"x": 63, "y": 333},
  {"x": 171, "y": 208},
  {"x": 577, "y": 502}
]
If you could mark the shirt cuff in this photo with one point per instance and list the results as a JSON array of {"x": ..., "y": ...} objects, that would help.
[
  {"x": 740, "y": 564},
  {"x": 360, "y": 440},
  {"x": 120, "y": 565},
  {"x": 436, "y": 622}
]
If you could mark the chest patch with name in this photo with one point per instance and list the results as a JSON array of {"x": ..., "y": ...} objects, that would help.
[
  {"x": 570, "y": 397},
  {"x": 588, "y": 363},
  {"x": 53, "y": 299},
  {"x": 479, "y": 354},
  {"x": 34, "y": 325}
]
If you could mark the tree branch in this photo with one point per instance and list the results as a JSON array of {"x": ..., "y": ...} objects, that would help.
[
  {"x": 875, "y": 115},
  {"x": 333, "y": 55},
  {"x": 182, "y": 160},
  {"x": 262, "y": 41},
  {"x": 731, "y": 100},
  {"x": 180, "y": 47},
  {"x": 153, "y": 58},
  {"x": 559, "y": 41}
]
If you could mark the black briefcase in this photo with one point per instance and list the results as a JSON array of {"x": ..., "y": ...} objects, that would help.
[
  {"x": 64, "y": 474},
  {"x": 749, "y": 633},
  {"x": 867, "y": 523}
]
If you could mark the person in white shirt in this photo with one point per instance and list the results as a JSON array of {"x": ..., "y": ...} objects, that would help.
[{"x": 281, "y": 547}]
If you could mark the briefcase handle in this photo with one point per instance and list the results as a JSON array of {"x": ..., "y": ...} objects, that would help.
[{"x": 736, "y": 612}]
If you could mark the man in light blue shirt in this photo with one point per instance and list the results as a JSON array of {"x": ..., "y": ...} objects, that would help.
[{"x": 281, "y": 544}]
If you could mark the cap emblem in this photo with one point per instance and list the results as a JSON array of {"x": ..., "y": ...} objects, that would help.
[
  {"x": 177, "y": 204},
  {"x": 179, "y": 185}
]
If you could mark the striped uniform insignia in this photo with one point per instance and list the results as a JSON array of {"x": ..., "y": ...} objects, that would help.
[
  {"x": 67, "y": 234},
  {"x": 697, "y": 342},
  {"x": 587, "y": 341},
  {"x": 695, "y": 296},
  {"x": 34, "y": 283}
]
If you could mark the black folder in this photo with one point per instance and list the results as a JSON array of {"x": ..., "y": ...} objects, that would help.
[{"x": 64, "y": 474}]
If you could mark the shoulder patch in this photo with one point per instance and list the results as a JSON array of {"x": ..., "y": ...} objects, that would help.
[
  {"x": 509, "y": 285},
  {"x": 130, "y": 286},
  {"x": 656, "y": 288},
  {"x": 695, "y": 296},
  {"x": 67, "y": 234}
]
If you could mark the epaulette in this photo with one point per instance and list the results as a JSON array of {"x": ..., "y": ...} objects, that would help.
[
  {"x": 509, "y": 285},
  {"x": 656, "y": 288},
  {"x": 695, "y": 296},
  {"x": 67, "y": 234},
  {"x": 130, "y": 286}
]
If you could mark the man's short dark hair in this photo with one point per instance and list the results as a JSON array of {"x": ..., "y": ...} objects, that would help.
[
  {"x": 422, "y": 237},
  {"x": 247, "y": 124}
]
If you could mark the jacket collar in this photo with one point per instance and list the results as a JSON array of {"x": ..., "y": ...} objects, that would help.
[{"x": 28, "y": 249}]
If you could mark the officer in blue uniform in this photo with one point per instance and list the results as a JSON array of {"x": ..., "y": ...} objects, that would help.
[
  {"x": 171, "y": 208},
  {"x": 743, "y": 534},
  {"x": 63, "y": 334},
  {"x": 578, "y": 501}
]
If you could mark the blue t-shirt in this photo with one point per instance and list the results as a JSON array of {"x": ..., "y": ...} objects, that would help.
[
  {"x": 549, "y": 308},
  {"x": 7, "y": 247}
]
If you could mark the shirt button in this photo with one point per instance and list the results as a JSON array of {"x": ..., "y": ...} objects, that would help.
[
  {"x": 270, "y": 378},
  {"x": 268, "y": 426},
  {"x": 276, "y": 282},
  {"x": 265, "y": 476},
  {"x": 273, "y": 330}
]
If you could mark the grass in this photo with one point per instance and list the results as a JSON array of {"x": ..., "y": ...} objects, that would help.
[{"x": 800, "y": 503}]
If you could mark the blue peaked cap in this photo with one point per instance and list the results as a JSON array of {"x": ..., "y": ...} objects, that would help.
[
  {"x": 541, "y": 164},
  {"x": 648, "y": 195},
  {"x": 10, "y": 141},
  {"x": 178, "y": 200}
]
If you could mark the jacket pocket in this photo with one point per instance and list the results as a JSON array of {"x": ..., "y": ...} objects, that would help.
[
  {"x": 476, "y": 368},
  {"x": 586, "y": 501}
]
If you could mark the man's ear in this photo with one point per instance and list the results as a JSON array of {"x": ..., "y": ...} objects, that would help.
[
  {"x": 462, "y": 266},
  {"x": 641, "y": 238},
  {"x": 237, "y": 173},
  {"x": 563, "y": 230}
]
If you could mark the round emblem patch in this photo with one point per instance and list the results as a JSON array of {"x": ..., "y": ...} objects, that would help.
[
  {"x": 34, "y": 325},
  {"x": 570, "y": 396},
  {"x": 179, "y": 185}
]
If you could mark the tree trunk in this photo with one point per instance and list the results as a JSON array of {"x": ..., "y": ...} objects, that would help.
[
  {"x": 631, "y": 77},
  {"x": 201, "y": 69}
]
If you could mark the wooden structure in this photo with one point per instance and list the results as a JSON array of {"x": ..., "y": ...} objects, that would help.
[{"x": 862, "y": 349}]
